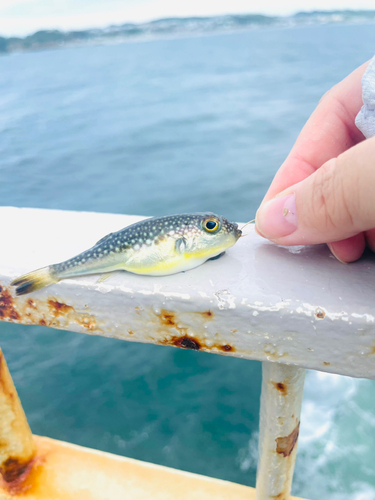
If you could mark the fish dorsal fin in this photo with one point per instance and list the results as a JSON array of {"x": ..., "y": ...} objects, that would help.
[
  {"x": 103, "y": 239},
  {"x": 180, "y": 245}
]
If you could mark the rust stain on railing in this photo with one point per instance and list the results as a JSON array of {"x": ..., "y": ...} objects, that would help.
[
  {"x": 285, "y": 445},
  {"x": 22, "y": 479},
  {"x": 7, "y": 309},
  {"x": 171, "y": 330},
  {"x": 184, "y": 339},
  {"x": 372, "y": 350},
  {"x": 281, "y": 387},
  {"x": 52, "y": 312},
  {"x": 17, "y": 449}
]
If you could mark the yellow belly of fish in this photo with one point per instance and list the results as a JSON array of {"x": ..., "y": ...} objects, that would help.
[
  {"x": 165, "y": 268},
  {"x": 169, "y": 262}
]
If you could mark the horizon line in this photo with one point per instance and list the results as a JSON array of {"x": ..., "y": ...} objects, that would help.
[{"x": 197, "y": 17}]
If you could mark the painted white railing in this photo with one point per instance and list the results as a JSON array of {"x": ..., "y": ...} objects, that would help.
[{"x": 290, "y": 308}]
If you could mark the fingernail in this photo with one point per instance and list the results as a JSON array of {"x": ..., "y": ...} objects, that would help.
[
  {"x": 277, "y": 218},
  {"x": 332, "y": 249}
]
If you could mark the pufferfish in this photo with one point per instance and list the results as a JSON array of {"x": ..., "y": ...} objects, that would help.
[{"x": 157, "y": 247}]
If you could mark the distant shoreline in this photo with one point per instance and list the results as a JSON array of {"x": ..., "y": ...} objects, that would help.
[{"x": 177, "y": 28}]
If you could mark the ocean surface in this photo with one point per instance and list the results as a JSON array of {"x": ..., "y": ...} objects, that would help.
[{"x": 162, "y": 127}]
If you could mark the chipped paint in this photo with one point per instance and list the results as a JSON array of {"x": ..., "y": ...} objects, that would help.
[
  {"x": 184, "y": 296},
  {"x": 225, "y": 299},
  {"x": 285, "y": 445},
  {"x": 274, "y": 352},
  {"x": 368, "y": 317},
  {"x": 270, "y": 308},
  {"x": 320, "y": 313}
]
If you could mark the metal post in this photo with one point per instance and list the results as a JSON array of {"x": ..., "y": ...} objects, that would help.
[
  {"x": 281, "y": 401},
  {"x": 17, "y": 447}
]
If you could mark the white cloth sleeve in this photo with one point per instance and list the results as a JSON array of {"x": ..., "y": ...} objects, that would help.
[{"x": 365, "y": 119}]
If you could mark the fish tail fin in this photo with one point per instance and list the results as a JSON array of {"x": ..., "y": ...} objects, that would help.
[{"x": 35, "y": 280}]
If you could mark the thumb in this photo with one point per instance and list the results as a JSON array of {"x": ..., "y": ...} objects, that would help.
[{"x": 336, "y": 202}]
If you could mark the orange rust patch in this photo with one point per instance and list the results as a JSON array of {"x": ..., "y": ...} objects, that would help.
[
  {"x": 88, "y": 323},
  {"x": 57, "y": 308},
  {"x": 325, "y": 363},
  {"x": 282, "y": 388},
  {"x": 285, "y": 445},
  {"x": 280, "y": 496},
  {"x": 52, "y": 313},
  {"x": 21, "y": 479},
  {"x": 130, "y": 332},
  {"x": 167, "y": 318},
  {"x": 7, "y": 307}
]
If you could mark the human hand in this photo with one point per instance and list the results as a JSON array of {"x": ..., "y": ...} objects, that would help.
[{"x": 324, "y": 191}]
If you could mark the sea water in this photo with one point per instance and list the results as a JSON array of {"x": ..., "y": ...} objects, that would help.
[{"x": 159, "y": 127}]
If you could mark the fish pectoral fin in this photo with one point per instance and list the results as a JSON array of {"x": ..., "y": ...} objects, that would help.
[
  {"x": 217, "y": 256},
  {"x": 180, "y": 245},
  {"x": 104, "y": 277}
]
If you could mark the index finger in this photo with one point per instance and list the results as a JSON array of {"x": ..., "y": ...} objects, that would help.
[{"x": 329, "y": 131}]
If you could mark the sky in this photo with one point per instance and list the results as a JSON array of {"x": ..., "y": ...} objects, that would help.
[{"x": 22, "y": 17}]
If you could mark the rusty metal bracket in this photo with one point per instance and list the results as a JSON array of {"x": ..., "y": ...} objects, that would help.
[
  {"x": 280, "y": 409},
  {"x": 17, "y": 447}
]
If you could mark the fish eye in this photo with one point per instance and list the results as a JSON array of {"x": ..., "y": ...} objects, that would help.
[{"x": 211, "y": 225}]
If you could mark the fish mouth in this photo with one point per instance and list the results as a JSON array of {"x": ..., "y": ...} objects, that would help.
[{"x": 237, "y": 232}]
